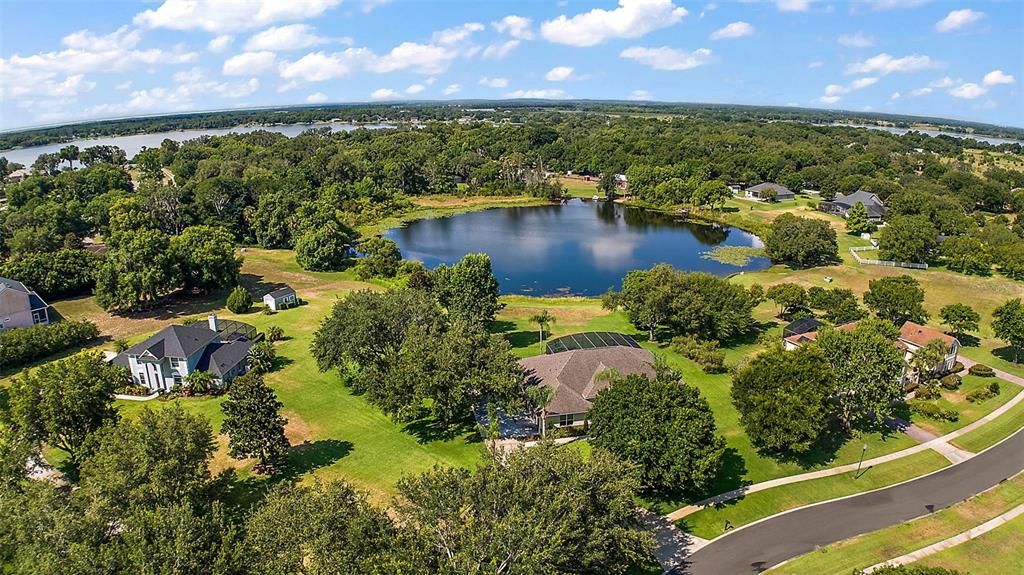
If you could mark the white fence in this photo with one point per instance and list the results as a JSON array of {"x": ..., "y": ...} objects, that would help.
[{"x": 870, "y": 262}]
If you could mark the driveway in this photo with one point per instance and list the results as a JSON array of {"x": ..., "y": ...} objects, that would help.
[{"x": 759, "y": 546}]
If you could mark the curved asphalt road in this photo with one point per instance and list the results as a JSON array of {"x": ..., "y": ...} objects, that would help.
[{"x": 763, "y": 545}]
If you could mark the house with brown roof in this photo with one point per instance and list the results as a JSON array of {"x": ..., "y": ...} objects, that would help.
[{"x": 577, "y": 376}]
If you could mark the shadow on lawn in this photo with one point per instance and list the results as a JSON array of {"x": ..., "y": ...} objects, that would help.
[
  {"x": 1006, "y": 354},
  {"x": 427, "y": 430},
  {"x": 258, "y": 286}
]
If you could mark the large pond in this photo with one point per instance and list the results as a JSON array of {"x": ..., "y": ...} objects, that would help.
[
  {"x": 134, "y": 144},
  {"x": 900, "y": 131},
  {"x": 577, "y": 247}
]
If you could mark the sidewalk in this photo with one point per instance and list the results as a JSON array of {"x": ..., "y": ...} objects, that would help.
[
  {"x": 940, "y": 445},
  {"x": 952, "y": 541}
]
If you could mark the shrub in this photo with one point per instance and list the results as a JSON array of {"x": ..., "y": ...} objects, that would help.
[
  {"x": 22, "y": 345},
  {"x": 138, "y": 390},
  {"x": 926, "y": 392},
  {"x": 957, "y": 367},
  {"x": 950, "y": 382},
  {"x": 704, "y": 353},
  {"x": 239, "y": 300},
  {"x": 275, "y": 333},
  {"x": 994, "y": 387},
  {"x": 981, "y": 370},
  {"x": 933, "y": 411},
  {"x": 120, "y": 345}
]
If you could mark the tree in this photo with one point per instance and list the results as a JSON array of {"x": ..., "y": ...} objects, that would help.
[
  {"x": 907, "y": 239},
  {"x": 69, "y": 154},
  {"x": 926, "y": 360},
  {"x": 966, "y": 254},
  {"x": 502, "y": 517},
  {"x": 381, "y": 258},
  {"x": 62, "y": 402},
  {"x": 711, "y": 194},
  {"x": 839, "y": 305},
  {"x": 1008, "y": 324},
  {"x": 449, "y": 370},
  {"x": 468, "y": 289},
  {"x": 239, "y": 300},
  {"x": 323, "y": 248},
  {"x": 206, "y": 256},
  {"x": 789, "y": 297},
  {"x": 54, "y": 273},
  {"x": 324, "y": 528},
  {"x": 897, "y": 299},
  {"x": 261, "y": 357},
  {"x": 137, "y": 272},
  {"x": 543, "y": 320},
  {"x": 867, "y": 366},
  {"x": 961, "y": 318},
  {"x": 801, "y": 242},
  {"x": 665, "y": 427},
  {"x": 275, "y": 333},
  {"x": 783, "y": 399},
  {"x": 607, "y": 184},
  {"x": 857, "y": 219},
  {"x": 156, "y": 458},
  {"x": 252, "y": 422},
  {"x": 646, "y": 296},
  {"x": 199, "y": 382}
]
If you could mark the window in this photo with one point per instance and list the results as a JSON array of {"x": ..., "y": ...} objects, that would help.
[
  {"x": 177, "y": 362},
  {"x": 566, "y": 419},
  {"x": 39, "y": 316},
  {"x": 177, "y": 380}
]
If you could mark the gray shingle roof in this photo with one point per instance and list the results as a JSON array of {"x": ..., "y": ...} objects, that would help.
[
  {"x": 175, "y": 341},
  {"x": 14, "y": 285},
  {"x": 874, "y": 205},
  {"x": 281, "y": 292},
  {"x": 220, "y": 358},
  {"x": 780, "y": 190},
  {"x": 573, "y": 374}
]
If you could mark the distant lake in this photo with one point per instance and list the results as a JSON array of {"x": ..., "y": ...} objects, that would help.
[
  {"x": 133, "y": 144},
  {"x": 579, "y": 247},
  {"x": 900, "y": 131}
]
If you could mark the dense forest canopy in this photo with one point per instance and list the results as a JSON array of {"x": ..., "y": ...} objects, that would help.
[{"x": 514, "y": 111}]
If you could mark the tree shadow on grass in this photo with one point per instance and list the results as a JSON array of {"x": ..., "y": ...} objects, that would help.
[
  {"x": 750, "y": 336},
  {"x": 521, "y": 339},
  {"x": 427, "y": 429},
  {"x": 968, "y": 340},
  {"x": 280, "y": 362},
  {"x": 257, "y": 285},
  {"x": 1006, "y": 354},
  {"x": 501, "y": 326},
  {"x": 730, "y": 477}
]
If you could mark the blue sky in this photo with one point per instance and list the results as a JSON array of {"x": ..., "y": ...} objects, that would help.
[{"x": 65, "y": 61}]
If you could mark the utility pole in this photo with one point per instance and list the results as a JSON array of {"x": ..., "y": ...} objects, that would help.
[{"x": 863, "y": 450}]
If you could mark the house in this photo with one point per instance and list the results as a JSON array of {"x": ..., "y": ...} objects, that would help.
[
  {"x": 281, "y": 298},
  {"x": 621, "y": 181},
  {"x": 19, "y": 175},
  {"x": 764, "y": 191},
  {"x": 841, "y": 205},
  {"x": 914, "y": 336},
  {"x": 166, "y": 358},
  {"x": 577, "y": 376},
  {"x": 793, "y": 336},
  {"x": 21, "y": 306},
  {"x": 736, "y": 187}
]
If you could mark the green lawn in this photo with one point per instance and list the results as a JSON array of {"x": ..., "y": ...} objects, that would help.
[
  {"x": 969, "y": 412},
  {"x": 710, "y": 522},
  {"x": 860, "y": 552},
  {"x": 998, "y": 552},
  {"x": 994, "y": 431}
]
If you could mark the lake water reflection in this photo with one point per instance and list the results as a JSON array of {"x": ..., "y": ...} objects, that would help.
[{"x": 578, "y": 247}]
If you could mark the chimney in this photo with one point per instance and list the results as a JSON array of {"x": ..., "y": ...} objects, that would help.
[{"x": 212, "y": 319}]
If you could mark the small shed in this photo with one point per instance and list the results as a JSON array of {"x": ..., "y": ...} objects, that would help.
[{"x": 281, "y": 298}]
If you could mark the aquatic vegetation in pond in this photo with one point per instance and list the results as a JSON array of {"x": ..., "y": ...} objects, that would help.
[{"x": 733, "y": 255}]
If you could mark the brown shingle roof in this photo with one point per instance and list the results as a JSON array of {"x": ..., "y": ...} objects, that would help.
[
  {"x": 574, "y": 374},
  {"x": 921, "y": 335}
]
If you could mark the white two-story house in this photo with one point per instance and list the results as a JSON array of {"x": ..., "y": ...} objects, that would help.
[{"x": 166, "y": 358}]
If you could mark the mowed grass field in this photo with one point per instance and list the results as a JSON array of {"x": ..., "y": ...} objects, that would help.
[{"x": 864, "y": 551}]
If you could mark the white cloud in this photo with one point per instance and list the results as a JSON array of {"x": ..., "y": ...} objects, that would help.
[
  {"x": 458, "y": 33},
  {"x": 220, "y": 43},
  {"x": 499, "y": 50},
  {"x": 665, "y": 58},
  {"x": 249, "y": 63},
  {"x": 710, "y": 7},
  {"x": 997, "y": 77},
  {"x": 833, "y": 92},
  {"x": 419, "y": 58},
  {"x": 284, "y": 38},
  {"x": 895, "y": 96},
  {"x": 371, "y": 5},
  {"x": 894, "y": 4},
  {"x": 181, "y": 97},
  {"x": 641, "y": 94},
  {"x": 384, "y": 94},
  {"x": 858, "y": 40},
  {"x": 559, "y": 74},
  {"x": 493, "y": 82},
  {"x": 316, "y": 98},
  {"x": 451, "y": 89},
  {"x": 515, "y": 26},
  {"x": 21, "y": 84},
  {"x": 415, "y": 89},
  {"x": 538, "y": 94},
  {"x": 944, "y": 82},
  {"x": 319, "y": 66},
  {"x": 968, "y": 91},
  {"x": 957, "y": 19},
  {"x": 886, "y": 64},
  {"x": 126, "y": 85},
  {"x": 921, "y": 92},
  {"x": 816, "y": 64},
  {"x": 734, "y": 30},
  {"x": 221, "y": 16},
  {"x": 632, "y": 19},
  {"x": 793, "y": 5},
  {"x": 828, "y": 99}
]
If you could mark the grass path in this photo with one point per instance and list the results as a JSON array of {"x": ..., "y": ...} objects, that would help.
[{"x": 860, "y": 552}]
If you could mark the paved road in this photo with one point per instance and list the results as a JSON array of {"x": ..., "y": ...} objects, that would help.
[{"x": 756, "y": 548}]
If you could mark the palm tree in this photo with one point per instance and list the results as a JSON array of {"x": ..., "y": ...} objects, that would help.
[
  {"x": 199, "y": 382},
  {"x": 543, "y": 320},
  {"x": 540, "y": 396},
  {"x": 928, "y": 359},
  {"x": 261, "y": 357}
]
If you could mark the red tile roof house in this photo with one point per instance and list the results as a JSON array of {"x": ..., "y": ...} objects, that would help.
[
  {"x": 577, "y": 377},
  {"x": 913, "y": 336}
]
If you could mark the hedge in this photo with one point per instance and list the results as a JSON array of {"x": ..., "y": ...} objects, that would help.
[
  {"x": 982, "y": 370},
  {"x": 951, "y": 381},
  {"x": 934, "y": 411},
  {"x": 984, "y": 393},
  {"x": 20, "y": 346}
]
